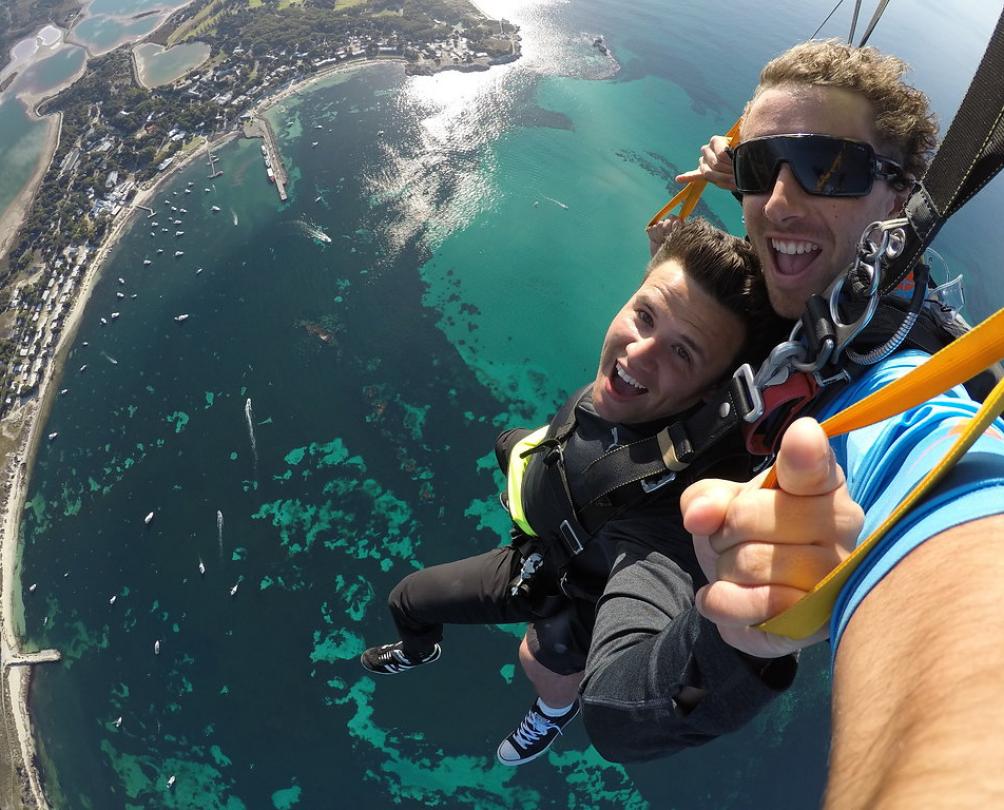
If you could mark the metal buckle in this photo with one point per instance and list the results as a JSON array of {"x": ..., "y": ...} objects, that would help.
[
  {"x": 570, "y": 538},
  {"x": 744, "y": 376},
  {"x": 649, "y": 485},
  {"x": 880, "y": 242}
]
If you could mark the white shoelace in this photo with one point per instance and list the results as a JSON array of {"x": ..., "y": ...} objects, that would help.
[{"x": 533, "y": 727}]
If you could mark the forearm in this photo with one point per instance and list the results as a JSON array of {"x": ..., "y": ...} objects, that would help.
[{"x": 918, "y": 716}]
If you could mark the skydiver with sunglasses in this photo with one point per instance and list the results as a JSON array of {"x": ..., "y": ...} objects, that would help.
[{"x": 832, "y": 141}]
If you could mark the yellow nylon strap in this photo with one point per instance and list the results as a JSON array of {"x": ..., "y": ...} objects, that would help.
[
  {"x": 688, "y": 196},
  {"x": 514, "y": 478},
  {"x": 959, "y": 361}
]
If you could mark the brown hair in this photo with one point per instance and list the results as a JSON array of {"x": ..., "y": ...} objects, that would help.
[
  {"x": 727, "y": 269},
  {"x": 906, "y": 128}
]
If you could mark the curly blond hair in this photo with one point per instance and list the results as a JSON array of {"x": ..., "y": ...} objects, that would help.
[{"x": 907, "y": 130}]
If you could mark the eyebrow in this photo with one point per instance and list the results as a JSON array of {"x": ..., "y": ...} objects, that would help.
[{"x": 684, "y": 338}]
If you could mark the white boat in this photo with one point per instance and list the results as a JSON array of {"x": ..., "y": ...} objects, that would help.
[
  {"x": 379, "y": 132},
  {"x": 121, "y": 280},
  {"x": 155, "y": 224},
  {"x": 314, "y": 144},
  {"x": 133, "y": 295},
  {"x": 183, "y": 210},
  {"x": 53, "y": 435},
  {"x": 147, "y": 262},
  {"x": 32, "y": 587},
  {"x": 179, "y": 233},
  {"x": 233, "y": 590},
  {"x": 177, "y": 222},
  {"x": 202, "y": 567},
  {"x": 159, "y": 251},
  {"x": 118, "y": 722},
  {"x": 206, "y": 190},
  {"x": 182, "y": 317},
  {"x": 215, "y": 208},
  {"x": 178, "y": 253},
  {"x": 198, "y": 270},
  {"x": 164, "y": 230},
  {"x": 156, "y": 647},
  {"x": 175, "y": 193},
  {"x": 317, "y": 199},
  {"x": 112, "y": 600},
  {"x": 84, "y": 367},
  {"x": 120, "y": 295},
  {"x": 173, "y": 208},
  {"x": 63, "y": 391},
  {"x": 153, "y": 233},
  {"x": 104, "y": 321},
  {"x": 148, "y": 518},
  {"x": 115, "y": 315},
  {"x": 171, "y": 781},
  {"x": 85, "y": 343},
  {"x": 318, "y": 126},
  {"x": 188, "y": 191}
]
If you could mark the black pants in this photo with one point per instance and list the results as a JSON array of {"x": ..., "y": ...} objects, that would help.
[{"x": 476, "y": 590}]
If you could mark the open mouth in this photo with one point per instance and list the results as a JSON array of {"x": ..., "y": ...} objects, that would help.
[
  {"x": 624, "y": 385},
  {"x": 792, "y": 257}
]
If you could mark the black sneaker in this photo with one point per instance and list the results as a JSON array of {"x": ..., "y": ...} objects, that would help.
[
  {"x": 534, "y": 735},
  {"x": 389, "y": 659}
]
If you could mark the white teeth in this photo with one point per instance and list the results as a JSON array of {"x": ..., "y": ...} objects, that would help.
[
  {"x": 793, "y": 248},
  {"x": 629, "y": 379}
]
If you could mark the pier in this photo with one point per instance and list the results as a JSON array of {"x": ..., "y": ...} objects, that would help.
[
  {"x": 28, "y": 659},
  {"x": 274, "y": 170},
  {"x": 213, "y": 171},
  {"x": 151, "y": 213}
]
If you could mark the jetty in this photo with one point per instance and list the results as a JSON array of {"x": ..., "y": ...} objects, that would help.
[
  {"x": 23, "y": 659},
  {"x": 260, "y": 128},
  {"x": 150, "y": 212},
  {"x": 213, "y": 171}
]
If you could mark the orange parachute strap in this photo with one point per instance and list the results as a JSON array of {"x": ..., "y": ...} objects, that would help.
[
  {"x": 688, "y": 196},
  {"x": 959, "y": 361}
]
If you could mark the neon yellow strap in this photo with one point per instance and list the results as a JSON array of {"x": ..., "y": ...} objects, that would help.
[
  {"x": 514, "y": 478},
  {"x": 688, "y": 196},
  {"x": 953, "y": 365}
]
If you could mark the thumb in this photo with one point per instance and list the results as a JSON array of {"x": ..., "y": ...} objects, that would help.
[{"x": 805, "y": 463}]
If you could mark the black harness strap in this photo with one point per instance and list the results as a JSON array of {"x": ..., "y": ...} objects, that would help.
[{"x": 971, "y": 154}]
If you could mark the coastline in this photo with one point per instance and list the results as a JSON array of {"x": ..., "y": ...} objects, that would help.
[{"x": 31, "y": 417}]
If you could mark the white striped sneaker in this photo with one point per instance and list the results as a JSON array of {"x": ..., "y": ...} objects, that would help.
[{"x": 390, "y": 659}]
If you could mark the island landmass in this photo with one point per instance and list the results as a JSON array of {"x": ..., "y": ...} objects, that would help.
[{"x": 115, "y": 142}]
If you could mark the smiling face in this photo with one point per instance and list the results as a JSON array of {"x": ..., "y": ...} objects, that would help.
[
  {"x": 804, "y": 242},
  {"x": 665, "y": 348}
]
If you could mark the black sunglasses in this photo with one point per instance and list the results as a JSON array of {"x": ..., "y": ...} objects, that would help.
[{"x": 822, "y": 164}]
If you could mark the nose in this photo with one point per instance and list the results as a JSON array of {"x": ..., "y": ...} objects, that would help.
[
  {"x": 642, "y": 352},
  {"x": 785, "y": 201}
]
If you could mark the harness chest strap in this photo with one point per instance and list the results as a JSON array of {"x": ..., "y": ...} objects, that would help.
[{"x": 953, "y": 365}]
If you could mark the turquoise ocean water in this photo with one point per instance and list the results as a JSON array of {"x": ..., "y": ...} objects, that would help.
[{"x": 322, "y": 424}]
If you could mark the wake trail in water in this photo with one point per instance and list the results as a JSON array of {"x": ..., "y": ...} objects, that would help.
[
  {"x": 219, "y": 531},
  {"x": 558, "y": 203},
  {"x": 234, "y": 215},
  {"x": 249, "y": 418},
  {"x": 312, "y": 230}
]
